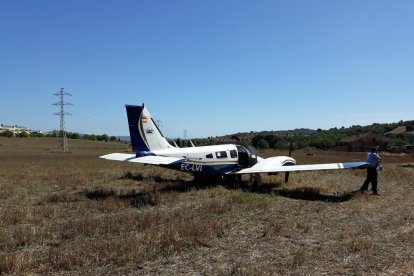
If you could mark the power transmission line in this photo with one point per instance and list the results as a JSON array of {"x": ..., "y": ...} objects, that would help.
[
  {"x": 63, "y": 141},
  {"x": 159, "y": 125}
]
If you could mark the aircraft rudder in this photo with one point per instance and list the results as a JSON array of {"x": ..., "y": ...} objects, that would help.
[{"x": 134, "y": 114}]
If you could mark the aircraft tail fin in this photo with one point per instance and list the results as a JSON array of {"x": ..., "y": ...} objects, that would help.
[{"x": 144, "y": 132}]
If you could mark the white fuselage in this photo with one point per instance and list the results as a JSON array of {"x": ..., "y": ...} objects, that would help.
[{"x": 206, "y": 154}]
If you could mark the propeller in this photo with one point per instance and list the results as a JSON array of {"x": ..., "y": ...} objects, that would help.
[{"x": 290, "y": 153}]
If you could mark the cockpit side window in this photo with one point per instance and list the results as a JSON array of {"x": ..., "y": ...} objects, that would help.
[
  {"x": 210, "y": 155},
  {"x": 233, "y": 154},
  {"x": 221, "y": 154}
]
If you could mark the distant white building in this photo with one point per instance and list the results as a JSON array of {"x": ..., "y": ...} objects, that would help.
[{"x": 15, "y": 129}]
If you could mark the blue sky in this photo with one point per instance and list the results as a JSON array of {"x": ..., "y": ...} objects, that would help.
[{"x": 211, "y": 67}]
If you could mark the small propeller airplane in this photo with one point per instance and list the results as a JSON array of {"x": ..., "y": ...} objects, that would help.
[{"x": 151, "y": 147}]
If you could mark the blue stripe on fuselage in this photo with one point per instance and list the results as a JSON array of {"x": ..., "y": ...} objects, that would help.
[{"x": 206, "y": 169}]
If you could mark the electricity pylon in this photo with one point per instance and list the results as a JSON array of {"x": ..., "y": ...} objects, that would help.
[{"x": 63, "y": 142}]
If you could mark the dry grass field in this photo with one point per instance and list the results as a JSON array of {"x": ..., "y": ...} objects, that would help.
[{"x": 76, "y": 214}]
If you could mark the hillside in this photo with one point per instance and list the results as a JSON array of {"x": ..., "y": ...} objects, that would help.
[
  {"x": 319, "y": 138},
  {"x": 76, "y": 214}
]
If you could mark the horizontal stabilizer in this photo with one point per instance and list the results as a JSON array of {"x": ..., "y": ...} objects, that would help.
[
  {"x": 118, "y": 156},
  {"x": 258, "y": 168},
  {"x": 152, "y": 160}
]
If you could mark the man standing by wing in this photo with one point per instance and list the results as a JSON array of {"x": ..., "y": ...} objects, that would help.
[{"x": 373, "y": 159}]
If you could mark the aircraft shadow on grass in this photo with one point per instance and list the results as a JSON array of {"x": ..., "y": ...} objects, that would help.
[
  {"x": 150, "y": 198},
  {"x": 135, "y": 198},
  {"x": 310, "y": 194}
]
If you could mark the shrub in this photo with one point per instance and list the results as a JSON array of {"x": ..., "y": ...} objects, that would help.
[
  {"x": 6, "y": 133},
  {"x": 262, "y": 144},
  {"x": 37, "y": 134},
  {"x": 74, "y": 135},
  {"x": 23, "y": 134}
]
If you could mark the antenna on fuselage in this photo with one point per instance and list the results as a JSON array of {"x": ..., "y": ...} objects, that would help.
[
  {"x": 188, "y": 140},
  {"x": 175, "y": 144}
]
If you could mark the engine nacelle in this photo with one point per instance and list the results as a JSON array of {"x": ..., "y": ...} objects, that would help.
[{"x": 277, "y": 161}]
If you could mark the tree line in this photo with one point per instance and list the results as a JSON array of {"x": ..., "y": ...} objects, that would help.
[
  {"x": 300, "y": 138},
  {"x": 70, "y": 135},
  {"x": 319, "y": 139}
]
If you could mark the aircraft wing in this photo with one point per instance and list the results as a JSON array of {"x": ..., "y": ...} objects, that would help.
[
  {"x": 262, "y": 167},
  {"x": 152, "y": 160}
]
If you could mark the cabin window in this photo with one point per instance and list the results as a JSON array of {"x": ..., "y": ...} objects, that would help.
[
  {"x": 221, "y": 154},
  {"x": 233, "y": 154},
  {"x": 209, "y": 155}
]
